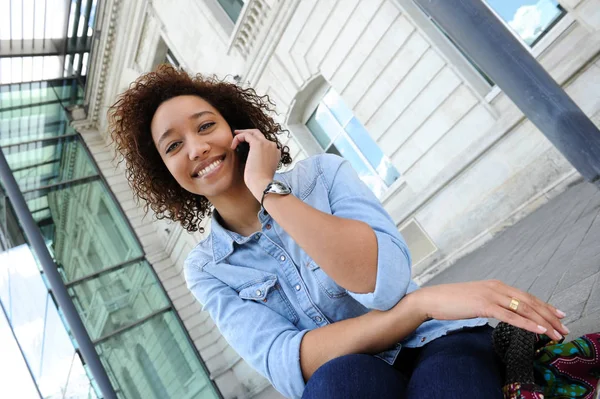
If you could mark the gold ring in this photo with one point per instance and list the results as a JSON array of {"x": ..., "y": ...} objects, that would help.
[{"x": 514, "y": 304}]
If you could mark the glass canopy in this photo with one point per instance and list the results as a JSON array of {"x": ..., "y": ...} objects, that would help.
[{"x": 138, "y": 336}]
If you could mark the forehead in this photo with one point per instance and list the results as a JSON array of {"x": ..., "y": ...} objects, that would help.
[{"x": 176, "y": 111}]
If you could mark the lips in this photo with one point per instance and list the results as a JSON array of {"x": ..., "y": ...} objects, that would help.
[{"x": 207, "y": 166}]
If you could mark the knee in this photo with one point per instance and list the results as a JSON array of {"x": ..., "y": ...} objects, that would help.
[{"x": 336, "y": 371}]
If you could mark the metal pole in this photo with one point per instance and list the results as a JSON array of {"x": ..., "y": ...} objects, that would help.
[
  {"x": 36, "y": 240},
  {"x": 474, "y": 27}
]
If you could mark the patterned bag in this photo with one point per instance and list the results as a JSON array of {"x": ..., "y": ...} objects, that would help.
[{"x": 538, "y": 368}]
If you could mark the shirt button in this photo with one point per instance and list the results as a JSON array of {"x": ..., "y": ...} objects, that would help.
[
  {"x": 258, "y": 293},
  {"x": 268, "y": 226},
  {"x": 318, "y": 319},
  {"x": 297, "y": 287},
  {"x": 423, "y": 339},
  {"x": 282, "y": 258}
]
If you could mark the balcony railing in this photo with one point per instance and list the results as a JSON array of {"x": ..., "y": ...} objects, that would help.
[{"x": 249, "y": 29}]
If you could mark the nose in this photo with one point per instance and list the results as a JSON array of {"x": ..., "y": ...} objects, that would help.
[{"x": 198, "y": 148}]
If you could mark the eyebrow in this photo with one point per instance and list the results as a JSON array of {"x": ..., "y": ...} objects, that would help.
[{"x": 168, "y": 132}]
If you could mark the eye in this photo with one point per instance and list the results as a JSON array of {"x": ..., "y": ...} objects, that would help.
[
  {"x": 205, "y": 126},
  {"x": 172, "y": 147}
]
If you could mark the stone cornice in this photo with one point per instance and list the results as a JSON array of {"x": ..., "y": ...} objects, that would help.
[{"x": 102, "y": 59}]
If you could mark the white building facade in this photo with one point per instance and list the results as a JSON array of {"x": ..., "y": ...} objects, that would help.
[{"x": 452, "y": 159}]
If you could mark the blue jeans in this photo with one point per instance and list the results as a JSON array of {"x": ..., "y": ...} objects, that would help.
[{"x": 459, "y": 365}]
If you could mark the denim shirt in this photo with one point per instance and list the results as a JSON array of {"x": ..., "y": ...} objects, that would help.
[{"x": 264, "y": 292}]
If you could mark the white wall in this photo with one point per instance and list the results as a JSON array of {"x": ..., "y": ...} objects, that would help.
[{"x": 469, "y": 164}]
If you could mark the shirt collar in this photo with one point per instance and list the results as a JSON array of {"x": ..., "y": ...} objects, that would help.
[{"x": 223, "y": 239}]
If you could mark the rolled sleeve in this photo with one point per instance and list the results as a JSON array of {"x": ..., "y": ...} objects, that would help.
[
  {"x": 350, "y": 198},
  {"x": 266, "y": 340},
  {"x": 393, "y": 275}
]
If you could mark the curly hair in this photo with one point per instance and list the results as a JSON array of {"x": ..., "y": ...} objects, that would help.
[{"x": 129, "y": 124}]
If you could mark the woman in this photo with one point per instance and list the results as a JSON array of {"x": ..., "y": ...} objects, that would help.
[{"x": 303, "y": 272}]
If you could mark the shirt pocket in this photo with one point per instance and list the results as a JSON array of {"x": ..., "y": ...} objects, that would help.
[
  {"x": 267, "y": 291},
  {"x": 326, "y": 283}
]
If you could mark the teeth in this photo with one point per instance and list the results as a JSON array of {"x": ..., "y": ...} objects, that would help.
[{"x": 209, "y": 168}]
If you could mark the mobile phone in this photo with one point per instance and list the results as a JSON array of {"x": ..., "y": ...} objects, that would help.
[{"x": 242, "y": 148}]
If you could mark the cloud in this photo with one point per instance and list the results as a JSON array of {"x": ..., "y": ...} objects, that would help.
[{"x": 529, "y": 21}]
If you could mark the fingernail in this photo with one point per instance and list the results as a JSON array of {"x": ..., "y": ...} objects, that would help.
[
  {"x": 557, "y": 334},
  {"x": 560, "y": 313},
  {"x": 542, "y": 329},
  {"x": 565, "y": 328}
]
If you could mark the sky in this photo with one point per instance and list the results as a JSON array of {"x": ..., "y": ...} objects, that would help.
[
  {"x": 41, "y": 333},
  {"x": 15, "y": 381},
  {"x": 526, "y": 17}
]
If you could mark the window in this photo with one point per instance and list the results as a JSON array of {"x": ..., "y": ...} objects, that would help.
[
  {"x": 337, "y": 131},
  {"x": 164, "y": 55},
  {"x": 172, "y": 350},
  {"x": 529, "y": 19},
  {"x": 473, "y": 64},
  {"x": 130, "y": 384},
  {"x": 233, "y": 8},
  {"x": 170, "y": 58},
  {"x": 118, "y": 243},
  {"x": 149, "y": 370}
]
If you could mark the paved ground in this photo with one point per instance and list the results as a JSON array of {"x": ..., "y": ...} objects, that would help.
[{"x": 553, "y": 253}]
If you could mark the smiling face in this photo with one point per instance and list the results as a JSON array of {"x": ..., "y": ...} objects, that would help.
[{"x": 194, "y": 142}]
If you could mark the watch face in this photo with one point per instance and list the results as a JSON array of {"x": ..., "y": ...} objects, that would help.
[{"x": 278, "y": 187}]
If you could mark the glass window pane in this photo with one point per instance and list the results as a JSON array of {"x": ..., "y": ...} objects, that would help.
[
  {"x": 61, "y": 366},
  {"x": 42, "y": 163},
  {"x": 347, "y": 151},
  {"x": 338, "y": 108},
  {"x": 323, "y": 126},
  {"x": 33, "y": 123},
  {"x": 37, "y": 204},
  {"x": 31, "y": 93},
  {"x": 170, "y": 58},
  {"x": 151, "y": 361},
  {"x": 372, "y": 152},
  {"x": 529, "y": 18},
  {"x": 15, "y": 380},
  {"x": 118, "y": 298},
  {"x": 333, "y": 150},
  {"x": 26, "y": 304},
  {"x": 86, "y": 232},
  {"x": 37, "y": 322},
  {"x": 469, "y": 59},
  {"x": 33, "y": 110},
  {"x": 387, "y": 171},
  {"x": 232, "y": 8},
  {"x": 78, "y": 385}
]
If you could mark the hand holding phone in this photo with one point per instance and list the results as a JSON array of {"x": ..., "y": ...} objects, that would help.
[
  {"x": 259, "y": 168},
  {"x": 242, "y": 149}
]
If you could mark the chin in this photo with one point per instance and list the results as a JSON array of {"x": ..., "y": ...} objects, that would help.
[{"x": 213, "y": 190}]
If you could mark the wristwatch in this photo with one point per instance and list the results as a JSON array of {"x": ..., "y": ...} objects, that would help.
[{"x": 275, "y": 187}]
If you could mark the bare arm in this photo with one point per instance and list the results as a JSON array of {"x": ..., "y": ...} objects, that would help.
[
  {"x": 345, "y": 249},
  {"x": 376, "y": 331},
  {"x": 371, "y": 333},
  {"x": 353, "y": 243}
]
